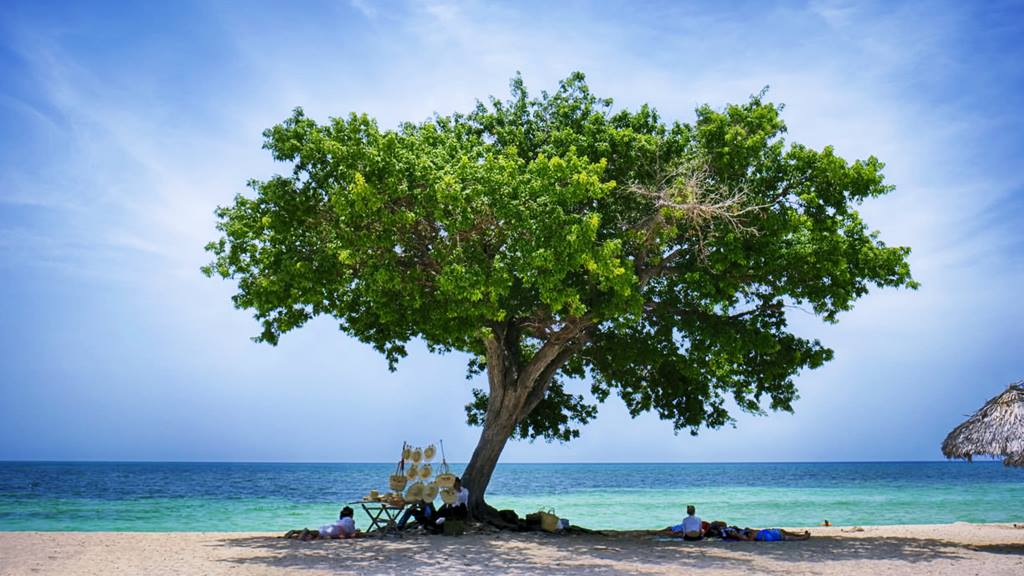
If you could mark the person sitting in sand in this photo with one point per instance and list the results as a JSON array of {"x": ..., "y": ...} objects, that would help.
[
  {"x": 423, "y": 512},
  {"x": 690, "y": 528},
  {"x": 457, "y": 510},
  {"x": 344, "y": 528},
  {"x": 763, "y": 535},
  {"x": 460, "y": 509}
]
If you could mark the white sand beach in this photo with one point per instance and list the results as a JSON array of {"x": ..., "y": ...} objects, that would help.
[{"x": 955, "y": 549}]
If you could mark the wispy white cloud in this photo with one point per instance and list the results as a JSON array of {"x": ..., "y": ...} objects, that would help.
[
  {"x": 136, "y": 174},
  {"x": 141, "y": 168},
  {"x": 365, "y": 7},
  {"x": 837, "y": 13}
]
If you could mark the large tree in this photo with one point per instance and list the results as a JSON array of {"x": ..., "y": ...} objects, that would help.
[{"x": 556, "y": 237}]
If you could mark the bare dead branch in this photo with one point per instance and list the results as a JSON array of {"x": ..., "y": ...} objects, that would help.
[{"x": 688, "y": 195}]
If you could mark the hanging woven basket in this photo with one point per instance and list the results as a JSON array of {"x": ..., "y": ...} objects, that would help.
[
  {"x": 429, "y": 452},
  {"x": 417, "y": 455},
  {"x": 412, "y": 472},
  {"x": 397, "y": 482},
  {"x": 445, "y": 478},
  {"x": 426, "y": 470}
]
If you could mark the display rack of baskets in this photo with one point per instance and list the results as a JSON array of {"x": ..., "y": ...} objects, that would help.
[{"x": 414, "y": 478}]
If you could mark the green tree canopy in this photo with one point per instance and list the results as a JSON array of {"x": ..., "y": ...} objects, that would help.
[{"x": 556, "y": 236}]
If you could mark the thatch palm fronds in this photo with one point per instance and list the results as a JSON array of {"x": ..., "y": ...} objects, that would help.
[{"x": 997, "y": 429}]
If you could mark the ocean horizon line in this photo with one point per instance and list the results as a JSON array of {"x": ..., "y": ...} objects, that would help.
[{"x": 980, "y": 460}]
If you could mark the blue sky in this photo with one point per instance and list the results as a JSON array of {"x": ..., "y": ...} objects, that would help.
[{"x": 123, "y": 127}]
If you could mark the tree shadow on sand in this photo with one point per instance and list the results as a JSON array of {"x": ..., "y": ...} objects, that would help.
[{"x": 596, "y": 554}]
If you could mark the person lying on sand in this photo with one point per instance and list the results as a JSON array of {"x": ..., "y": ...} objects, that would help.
[
  {"x": 763, "y": 535},
  {"x": 344, "y": 528},
  {"x": 690, "y": 528}
]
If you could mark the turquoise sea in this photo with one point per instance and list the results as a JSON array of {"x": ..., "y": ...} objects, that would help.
[{"x": 276, "y": 497}]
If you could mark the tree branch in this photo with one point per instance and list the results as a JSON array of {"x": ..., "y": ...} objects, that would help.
[
  {"x": 496, "y": 362},
  {"x": 549, "y": 351},
  {"x": 540, "y": 387}
]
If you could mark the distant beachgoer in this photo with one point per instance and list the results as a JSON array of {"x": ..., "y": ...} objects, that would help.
[
  {"x": 344, "y": 528},
  {"x": 763, "y": 535},
  {"x": 691, "y": 528}
]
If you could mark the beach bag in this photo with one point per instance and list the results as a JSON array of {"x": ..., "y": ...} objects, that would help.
[
  {"x": 548, "y": 520},
  {"x": 445, "y": 479},
  {"x": 715, "y": 529},
  {"x": 453, "y": 527},
  {"x": 397, "y": 482},
  {"x": 509, "y": 516}
]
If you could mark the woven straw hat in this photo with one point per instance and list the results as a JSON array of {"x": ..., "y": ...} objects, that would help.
[
  {"x": 430, "y": 492},
  {"x": 429, "y": 452},
  {"x": 449, "y": 495},
  {"x": 415, "y": 492},
  {"x": 426, "y": 470},
  {"x": 412, "y": 472},
  {"x": 417, "y": 455}
]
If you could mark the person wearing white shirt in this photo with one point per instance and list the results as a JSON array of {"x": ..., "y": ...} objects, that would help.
[
  {"x": 690, "y": 528},
  {"x": 460, "y": 509},
  {"x": 344, "y": 527}
]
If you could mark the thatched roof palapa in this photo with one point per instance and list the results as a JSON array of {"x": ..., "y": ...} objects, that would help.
[{"x": 997, "y": 429}]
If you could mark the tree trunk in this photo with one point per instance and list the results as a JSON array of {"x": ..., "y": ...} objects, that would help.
[
  {"x": 515, "y": 389},
  {"x": 496, "y": 432}
]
